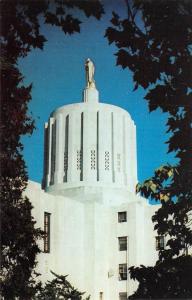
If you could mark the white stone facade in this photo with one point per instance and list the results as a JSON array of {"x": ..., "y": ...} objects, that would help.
[
  {"x": 84, "y": 238},
  {"x": 89, "y": 180}
]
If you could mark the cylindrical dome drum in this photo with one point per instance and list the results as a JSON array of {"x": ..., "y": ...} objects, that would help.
[{"x": 90, "y": 144}]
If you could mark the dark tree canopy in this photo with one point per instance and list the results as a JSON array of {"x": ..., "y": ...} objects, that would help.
[
  {"x": 168, "y": 280},
  {"x": 20, "y": 33},
  {"x": 59, "y": 288},
  {"x": 155, "y": 43}
]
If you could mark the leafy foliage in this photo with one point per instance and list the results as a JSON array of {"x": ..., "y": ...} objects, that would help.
[
  {"x": 20, "y": 33},
  {"x": 168, "y": 280},
  {"x": 59, "y": 288},
  {"x": 154, "y": 42},
  {"x": 18, "y": 236}
]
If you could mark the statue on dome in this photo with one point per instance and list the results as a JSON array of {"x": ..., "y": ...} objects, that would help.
[{"x": 90, "y": 70}]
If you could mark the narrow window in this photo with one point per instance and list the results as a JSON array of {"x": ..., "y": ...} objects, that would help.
[
  {"x": 123, "y": 272},
  {"x": 66, "y": 145},
  {"x": 46, "y": 156},
  {"x": 107, "y": 160},
  {"x": 81, "y": 147},
  {"x": 160, "y": 243},
  {"x": 122, "y": 296},
  {"x": 97, "y": 156},
  {"x": 122, "y": 216},
  {"x": 79, "y": 159},
  {"x": 118, "y": 162},
  {"x": 47, "y": 232},
  {"x": 122, "y": 243},
  {"x": 93, "y": 160},
  {"x": 53, "y": 152}
]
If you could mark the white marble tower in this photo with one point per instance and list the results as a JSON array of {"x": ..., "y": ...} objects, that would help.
[
  {"x": 96, "y": 226},
  {"x": 90, "y": 144}
]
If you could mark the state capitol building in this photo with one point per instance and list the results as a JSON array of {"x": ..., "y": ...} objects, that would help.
[{"x": 96, "y": 226}]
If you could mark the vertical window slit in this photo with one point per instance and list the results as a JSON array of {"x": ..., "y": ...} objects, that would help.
[
  {"x": 46, "y": 155},
  {"x": 112, "y": 147},
  {"x": 53, "y": 151},
  {"x": 97, "y": 160},
  {"x": 66, "y": 148},
  {"x": 81, "y": 146},
  {"x": 47, "y": 219},
  {"x": 124, "y": 162}
]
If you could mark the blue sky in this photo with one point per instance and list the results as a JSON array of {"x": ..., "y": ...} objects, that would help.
[{"x": 58, "y": 78}]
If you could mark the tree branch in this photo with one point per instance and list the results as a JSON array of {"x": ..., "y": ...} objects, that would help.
[{"x": 131, "y": 18}]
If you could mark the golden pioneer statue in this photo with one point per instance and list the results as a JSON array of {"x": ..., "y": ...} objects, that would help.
[{"x": 90, "y": 70}]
